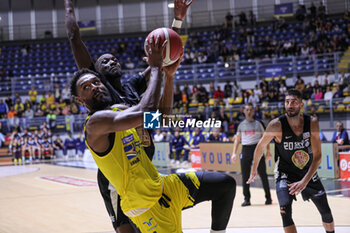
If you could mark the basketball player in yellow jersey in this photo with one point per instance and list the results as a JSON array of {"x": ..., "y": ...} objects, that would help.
[{"x": 152, "y": 202}]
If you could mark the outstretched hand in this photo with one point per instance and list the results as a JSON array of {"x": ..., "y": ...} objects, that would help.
[
  {"x": 252, "y": 177},
  {"x": 296, "y": 187},
  {"x": 155, "y": 51},
  {"x": 180, "y": 8}
]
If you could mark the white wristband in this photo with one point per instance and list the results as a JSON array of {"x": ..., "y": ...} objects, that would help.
[{"x": 177, "y": 23}]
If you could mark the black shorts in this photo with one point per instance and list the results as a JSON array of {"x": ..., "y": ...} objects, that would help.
[{"x": 313, "y": 189}]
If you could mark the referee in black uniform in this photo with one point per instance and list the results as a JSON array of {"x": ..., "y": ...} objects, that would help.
[{"x": 249, "y": 132}]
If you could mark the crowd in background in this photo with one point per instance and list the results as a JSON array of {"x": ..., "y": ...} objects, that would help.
[{"x": 248, "y": 44}]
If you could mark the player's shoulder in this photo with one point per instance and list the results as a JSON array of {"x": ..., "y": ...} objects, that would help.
[{"x": 275, "y": 123}]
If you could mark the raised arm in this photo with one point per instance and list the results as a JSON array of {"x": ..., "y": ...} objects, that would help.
[
  {"x": 166, "y": 101},
  {"x": 273, "y": 130},
  {"x": 107, "y": 121},
  {"x": 180, "y": 11},
  {"x": 299, "y": 186},
  {"x": 80, "y": 52}
]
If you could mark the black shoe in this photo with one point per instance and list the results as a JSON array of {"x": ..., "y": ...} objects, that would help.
[
  {"x": 268, "y": 202},
  {"x": 246, "y": 203}
]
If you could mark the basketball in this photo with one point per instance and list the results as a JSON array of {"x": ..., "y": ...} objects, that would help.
[{"x": 173, "y": 49}]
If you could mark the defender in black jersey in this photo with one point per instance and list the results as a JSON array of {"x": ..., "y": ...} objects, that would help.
[{"x": 297, "y": 155}]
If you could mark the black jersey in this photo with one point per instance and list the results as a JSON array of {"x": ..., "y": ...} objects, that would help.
[{"x": 294, "y": 154}]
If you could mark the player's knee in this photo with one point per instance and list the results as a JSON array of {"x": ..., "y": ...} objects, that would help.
[
  {"x": 286, "y": 214},
  {"x": 327, "y": 217},
  {"x": 230, "y": 184}
]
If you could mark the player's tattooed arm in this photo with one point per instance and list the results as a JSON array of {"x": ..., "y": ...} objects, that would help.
[{"x": 81, "y": 54}]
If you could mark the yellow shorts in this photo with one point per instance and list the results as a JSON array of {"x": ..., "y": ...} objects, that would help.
[{"x": 160, "y": 219}]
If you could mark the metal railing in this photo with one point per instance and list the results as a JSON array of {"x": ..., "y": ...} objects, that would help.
[{"x": 241, "y": 71}]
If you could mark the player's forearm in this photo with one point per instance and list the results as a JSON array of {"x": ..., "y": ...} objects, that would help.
[
  {"x": 166, "y": 101},
  {"x": 72, "y": 28},
  {"x": 235, "y": 146},
  {"x": 258, "y": 153},
  {"x": 146, "y": 73},
  {"x": 150, "y": 100}
]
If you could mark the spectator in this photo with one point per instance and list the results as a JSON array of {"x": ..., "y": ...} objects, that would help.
[
  {"x": 245, "y": 97},
  {"x": 338, "y": 93},
  {"x": 17, "y": 97},
  {"x": 215, "y": 136},
  {"x": 66, "y": 94},
  {"x": 51, "y": 119},
  {"x": 264, "y": 83},
  {"x": 177, "y": 97},
  {"x": 129, "y": 64},
  {"x": 252, "y": 18},
  {"x": 3, "y": 109},
  {"x": 33, "y": 95},
  {"x": 2, "y": 134},
  {"x": 300, "y": 14},
  {"x": 58, "y": 143},
  {"x": 19, "y": 108},
  {"x": 340, "y": 136},
  {"x": 9, "y": 102},
  {"x": 69, "y": 144},
  {"x": 57, "y": 92},
  {"x": 321, "y": 10},
  {"x": 313, "y": 11},
  {"x": 254, "y": 99},
  {"x": 228, "y": 22},
  {"x": 219, "y": 95},
  {"x": 258, "y": 115},
  {"x": 228, "y": 90},
  {"x": 197, "y": 138},
  {"x": 242, "y": 18},
  {"x": 29, "y": 115},
  {"x": 300, "y": 85},
  {"x": 80, "y": 144},
  {"x": 257, "y": 91},
  {"x": 50, "y": 100},
  {"x": 178, "y": 146},
  {"x": 158, "y": 137},
  {"x": 318, "y": 95},
  {"x": 12, "y": 118},
  {"x": 166, "y": 137},
  {"x": 224, "y": 119},
  {"x": 202, "y": 58}
]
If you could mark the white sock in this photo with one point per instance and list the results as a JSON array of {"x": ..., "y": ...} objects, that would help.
[{"x": 222, "y": 231}]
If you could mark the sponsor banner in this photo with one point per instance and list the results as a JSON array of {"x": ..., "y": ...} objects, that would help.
[
  {"x": 270, "y": 71},
  {"x": 161, "y": 154},
  {"x": 344, "y": 163},
  {"x": 87, "y": 25},
  {"x": 217, "y": 157},
  {"x": 284, "y": 10},
  {"x": 329, "y": 166},
  {"x": 80, "y": 182},
  {"x": 270, "y": 164},
  {"x": 196, "y": 159}
]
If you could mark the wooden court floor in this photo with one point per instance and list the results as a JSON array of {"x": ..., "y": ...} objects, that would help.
[{"x": 49, "y": 198}]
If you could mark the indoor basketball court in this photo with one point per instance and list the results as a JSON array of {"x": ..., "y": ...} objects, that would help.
[{"x": 65, "y": 198}]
